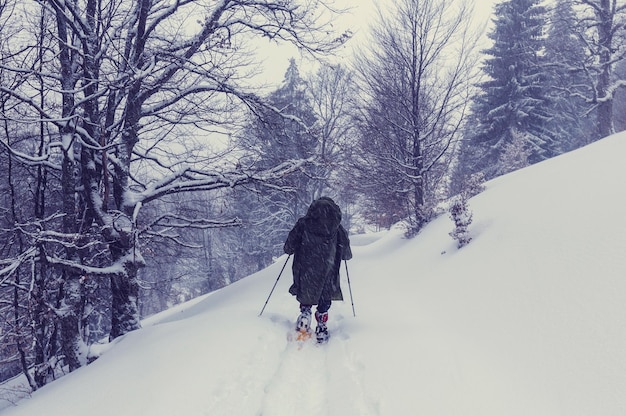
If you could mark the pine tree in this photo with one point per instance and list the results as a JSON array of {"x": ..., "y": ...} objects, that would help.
[
  {"x": 284, "y": 131},
  {"x": 513, "y": 98},
  {"x": 515, "y": 155}
]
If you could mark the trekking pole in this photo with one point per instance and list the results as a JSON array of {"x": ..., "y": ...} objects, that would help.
[
  {"x": 350, "y": 288},
  {"x": 275, "y": 283}
]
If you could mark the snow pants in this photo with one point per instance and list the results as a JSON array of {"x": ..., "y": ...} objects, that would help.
[{"x": 322, "y": 306}]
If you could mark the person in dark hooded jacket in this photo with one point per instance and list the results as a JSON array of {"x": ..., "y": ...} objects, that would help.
[{"x": 318, "y": 243}]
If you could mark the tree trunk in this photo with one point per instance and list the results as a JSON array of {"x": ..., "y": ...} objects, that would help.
[
  {"x": 124, "y": 307},
  {"x": 73, "y": 346},
  {"x": 69, "y": 309},
  {"x": 605, "y": 118},
  {"x": 40, "y": 326},
  {"x": 605, "y": 28}
]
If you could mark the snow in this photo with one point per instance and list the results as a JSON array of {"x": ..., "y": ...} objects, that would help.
[{"x": 528, "y": 319}]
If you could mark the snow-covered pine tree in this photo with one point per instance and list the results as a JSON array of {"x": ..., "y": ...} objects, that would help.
[
  {"x": 309, "y": 119},
  {"x": 514, "y": 96},
  {"x": 283, "y": 132},
  {"x": 515, "y": 155}
]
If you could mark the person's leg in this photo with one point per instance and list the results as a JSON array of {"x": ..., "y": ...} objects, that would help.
[{"x": 323, "y": 306}]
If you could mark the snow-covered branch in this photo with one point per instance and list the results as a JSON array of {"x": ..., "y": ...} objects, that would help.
[
  {"x": 611, "y": 90},
  {"x": 115, "y": 269},
  {"x": 11, "y": 266},
  {"x": 189, "y": 180},
  {"x": 27, "y": 159},
  {"x": 179, "y": 221}
]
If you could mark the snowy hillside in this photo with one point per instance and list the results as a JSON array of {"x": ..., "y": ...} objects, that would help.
[{"x": 528, "y": 319}]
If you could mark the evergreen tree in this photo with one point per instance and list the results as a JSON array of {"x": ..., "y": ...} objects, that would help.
[
  {"x": 284, "y": 131},
  {"x": 513, "y": 100},
  {"x": 288, "y": 133},
  {"x": 515, "y": 155}
]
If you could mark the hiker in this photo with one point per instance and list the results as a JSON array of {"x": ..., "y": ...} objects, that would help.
[{"x": 318, "y": 243}]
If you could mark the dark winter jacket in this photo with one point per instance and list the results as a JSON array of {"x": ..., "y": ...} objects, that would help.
[{"x": 318, "y": 243}]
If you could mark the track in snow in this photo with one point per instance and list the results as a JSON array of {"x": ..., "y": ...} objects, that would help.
[{"x": 313, "y": 379}]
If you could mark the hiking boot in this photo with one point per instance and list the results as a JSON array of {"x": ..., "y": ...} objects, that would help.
[
  {"x": 303, "y": 323},
  {"x": 321, "y": 332}
]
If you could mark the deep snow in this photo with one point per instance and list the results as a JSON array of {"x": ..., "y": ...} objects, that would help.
[{"x": 528, "y": 319}]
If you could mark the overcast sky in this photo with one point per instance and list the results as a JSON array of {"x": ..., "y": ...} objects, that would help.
[{"x": 360, "y": 16}]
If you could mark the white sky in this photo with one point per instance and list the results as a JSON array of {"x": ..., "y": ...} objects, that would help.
[{"x": 360, "y": 15}]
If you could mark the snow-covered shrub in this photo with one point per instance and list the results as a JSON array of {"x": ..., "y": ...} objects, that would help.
[{"x": 462, "y": 217}]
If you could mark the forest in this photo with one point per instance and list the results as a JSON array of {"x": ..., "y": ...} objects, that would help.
[{"x": 143, "y": 167}]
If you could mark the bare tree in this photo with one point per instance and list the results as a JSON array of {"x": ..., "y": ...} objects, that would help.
[
  {"x": 415, "y": 78},
  {"x": 122, "y": 93},
  {"x": 572, "y": 116},
  {"x": 332, "y": 92},
  {"x": 601, "y": 27}
]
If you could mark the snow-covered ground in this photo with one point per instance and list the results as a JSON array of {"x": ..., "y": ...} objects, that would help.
[{"x": 528, "y": 319}]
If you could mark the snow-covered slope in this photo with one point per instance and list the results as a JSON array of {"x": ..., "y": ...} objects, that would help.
[{"x": 528, "y": 319}]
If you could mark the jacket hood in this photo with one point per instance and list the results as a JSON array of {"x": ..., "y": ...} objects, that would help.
[{"x": 323, "y": 216}]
